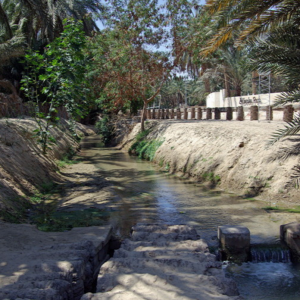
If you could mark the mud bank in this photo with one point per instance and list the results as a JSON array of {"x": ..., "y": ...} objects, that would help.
[{"x": 230, "y": 154}]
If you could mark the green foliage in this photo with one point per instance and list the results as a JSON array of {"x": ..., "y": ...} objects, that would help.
[
  {"x": 282, "y": 209},
  {"x": 144, "y": 148},
  {"x": 66, "y": 220},
  {"x": 161, "y": 162},
  {"x": 291, "y": 128},
  {"x": 66, "y": 160},
  {"x": 57, "y": 77},
  {"x": 104, "y": 128},
  {"x": 167, "y": 167},
  {"x": 271, "y": 208},
  {"x": 142, "y": 135},
  {"x": 211, "y": 177}
]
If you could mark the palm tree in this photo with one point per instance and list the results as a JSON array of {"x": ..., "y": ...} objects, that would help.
[
  {"x": 258, "y": 16},
  {"x": 279, "y": 53},
  {"x": 26, "y": 24}
]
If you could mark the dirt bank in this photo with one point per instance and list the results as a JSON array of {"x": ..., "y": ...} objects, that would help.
[
  {"x": 233, "y": 155},
  {"x": 24, "y": 170}
]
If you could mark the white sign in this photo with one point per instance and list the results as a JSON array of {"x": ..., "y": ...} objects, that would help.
[{"x": 217, "y": 99}]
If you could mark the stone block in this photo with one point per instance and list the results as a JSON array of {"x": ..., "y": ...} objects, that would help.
[
  {"x": 290, "y": 234},
  {"x": 234, "y": 242}
]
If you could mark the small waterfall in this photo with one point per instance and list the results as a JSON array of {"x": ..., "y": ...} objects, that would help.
[{"x": 274, "y": 254}]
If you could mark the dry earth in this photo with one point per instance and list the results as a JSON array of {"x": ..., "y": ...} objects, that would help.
[{"x": 23, "y": 167}]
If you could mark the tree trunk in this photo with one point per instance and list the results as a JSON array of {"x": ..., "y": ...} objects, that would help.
[
  {"x": 254, "y": 84},
  {"x": 204, "y": 67},
  {"x": 238, "y": 90},
  {"x": 226, "y": 84},
  {"x": 143, "y": 116}
]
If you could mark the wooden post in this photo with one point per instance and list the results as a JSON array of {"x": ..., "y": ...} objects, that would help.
[
  {"x": 288, "y": 113},
  {"x": 178, "y": 114},
  {"x": 148, "y": 114},
  {"x": 172, "y": 113},
  {"x": 185, "y": 114},
  {"x": 158, "y": 114},
  {"x": 162, "y": 113},
  {"x": 208, "y": 113},
  {"x": 167, "y": 113},
  {"x": 269, "y": 112},
  {"x": 240, "y": 113},
  {"x": 217, "y": 113},
  {"x": 253, "y": 113},
  {"x": 229, "y": 113},
  {"x": 153, "y": 113},
  {"x": 193, "y": 113},
  {"x": 199, "y": 113}
]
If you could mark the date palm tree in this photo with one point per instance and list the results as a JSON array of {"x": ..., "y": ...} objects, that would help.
[
  {"x": 279, "y": 53},
  {"x": 26, "y": 24},
  {"x": 257, "y": 16}
]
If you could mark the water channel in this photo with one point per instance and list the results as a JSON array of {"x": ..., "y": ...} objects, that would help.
[{"x": 146, "y": 195}]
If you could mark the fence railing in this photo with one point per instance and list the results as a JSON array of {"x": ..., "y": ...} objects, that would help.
[{"x": 239, "y": 113}]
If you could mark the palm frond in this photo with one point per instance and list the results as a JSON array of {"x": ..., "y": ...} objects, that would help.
[
  {"x": 291, "y": 128},
  {"x": 288, "y": 97},
  {"x": 13, "y": 48},
  {"x": 4, "y": 20},
  {"x": 262, "y": 16}
]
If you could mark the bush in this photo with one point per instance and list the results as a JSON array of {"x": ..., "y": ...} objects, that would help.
[
  {"x": 145, "y": 148},
  {"x": 104, "y": 128}
]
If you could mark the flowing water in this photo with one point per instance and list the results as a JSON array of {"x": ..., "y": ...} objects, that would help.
[{"x": 143, "y": 194}]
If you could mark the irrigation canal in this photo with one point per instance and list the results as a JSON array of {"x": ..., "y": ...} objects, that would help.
[{"x": 146, "y": 195}]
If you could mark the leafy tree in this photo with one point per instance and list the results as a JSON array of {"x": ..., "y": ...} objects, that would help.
[
  {"x": 129, "y": 69},
  {"x": 32, "y": 24},
  {"x": 57, "y": 77}
]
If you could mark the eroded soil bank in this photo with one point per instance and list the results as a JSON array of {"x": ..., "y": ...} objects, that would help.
[
  {"x": 233, "y": 155},
  {"x": 24, "y": 170}
]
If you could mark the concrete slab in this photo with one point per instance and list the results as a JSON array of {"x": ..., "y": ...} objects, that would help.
[{"x": 50, "y": 265}]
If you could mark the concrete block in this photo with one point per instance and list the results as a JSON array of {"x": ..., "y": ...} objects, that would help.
[
  {"x": 290, "y": 234},
  {"x": 234, "y": 242}
]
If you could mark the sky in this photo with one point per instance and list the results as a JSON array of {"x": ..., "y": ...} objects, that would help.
[{"x": 101, "y": 26}]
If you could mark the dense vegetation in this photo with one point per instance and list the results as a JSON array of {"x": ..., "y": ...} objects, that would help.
[{"x": 52, "y": 52}]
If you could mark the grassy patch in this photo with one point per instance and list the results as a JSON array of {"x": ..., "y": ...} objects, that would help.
[
  {"x": 281, "y": 209},
  {"x": 145, "y": 148},
  {"x": 66, "y": 159},
  {"x": 294, "y": 210},
  {"x": 272, "y": 208},
  {"x": 210, "y": 176},
  {"x": 167, "y": 167},
  {"x": 66, "y": 220},
  {"x": 161, "y": 162}
]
